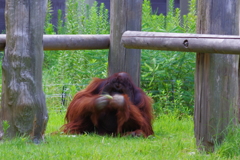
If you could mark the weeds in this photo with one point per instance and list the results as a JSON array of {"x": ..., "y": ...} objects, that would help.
[
  {"x": 5, "y": 126},
  {"x": 162, "y": 70}
]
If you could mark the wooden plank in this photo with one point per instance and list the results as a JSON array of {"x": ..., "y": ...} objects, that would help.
[
  {"x": 69, "y": 42},
  {"x": 75, "y": 42},
  {"x": 216, "y": 78},
  {"x": 123, "y": 17},
  {"x": 182, "y": 42}
]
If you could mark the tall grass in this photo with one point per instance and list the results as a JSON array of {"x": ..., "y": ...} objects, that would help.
[{"x": 168, "y": 76}]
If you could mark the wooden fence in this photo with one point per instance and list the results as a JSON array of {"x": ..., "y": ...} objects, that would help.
[
  {"x": 202, "y": 43},
  {"x": 216, "y": 97}
]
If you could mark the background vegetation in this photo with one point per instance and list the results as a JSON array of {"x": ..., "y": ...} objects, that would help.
[{"x": 168, "y": 77}]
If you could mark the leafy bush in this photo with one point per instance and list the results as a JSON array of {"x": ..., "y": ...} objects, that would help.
[
  {"x": 80, "y": 66},
  {"x": 50, "y": 57},
  {"x": 168, "y": 76}
]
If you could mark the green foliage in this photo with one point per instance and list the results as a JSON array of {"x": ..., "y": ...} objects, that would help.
[
  {"x": 168, "y": 76},
  {"x": 83, "y": 19},
  {"x": 172, "y": 101},
  {"x": 49, "y": 28},
  {"x": 230, "y": 148},
  {"x": 189, "y": 20},
  {"x": 151, "y": 22},
  {"x": 74, "y": 10},
  {"x": 5, "y": 126},
  {"x": 73, "y": 70},
  {"x": 80, "y": 66},
  {"x": 60, "y": 25},
  {"x": 50, "y": 57}
]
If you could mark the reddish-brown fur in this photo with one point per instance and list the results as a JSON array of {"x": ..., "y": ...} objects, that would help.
[{"x": 131, "y": 114}]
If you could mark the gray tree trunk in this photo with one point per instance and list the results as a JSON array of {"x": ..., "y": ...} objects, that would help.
[
  {"x": 124, "y": 15},
  {"x": 23, "y": 102},
  {"x": 216, "y": 79}
]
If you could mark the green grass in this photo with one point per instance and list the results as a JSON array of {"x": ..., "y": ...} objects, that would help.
[{"x": 174, "y": 139}]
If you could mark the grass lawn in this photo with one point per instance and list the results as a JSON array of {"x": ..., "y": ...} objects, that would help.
[{"x": 173, "y": 139}]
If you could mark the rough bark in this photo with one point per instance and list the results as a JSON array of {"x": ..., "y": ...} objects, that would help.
[
  {"x": 216, "y": 79},
  {"x": 23, "y": 101},
  {"x": 124, "y": 15}
]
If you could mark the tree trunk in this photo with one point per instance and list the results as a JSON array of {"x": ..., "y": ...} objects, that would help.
[
  {"x": 124, "y": 15},
  {"x": 216, "y": 79},
  {"x": 23, "y": 102}
]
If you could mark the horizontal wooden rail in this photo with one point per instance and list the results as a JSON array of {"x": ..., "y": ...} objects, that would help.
[
  {"x": 69, "y": 42},
  {"x": 201, "y": 43}
]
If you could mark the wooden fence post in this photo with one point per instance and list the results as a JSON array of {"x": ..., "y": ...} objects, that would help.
[
  {"x": 23, "y": 104},
  {"x": 216, "y": 78},
  {"x": 124, "y": 15}
]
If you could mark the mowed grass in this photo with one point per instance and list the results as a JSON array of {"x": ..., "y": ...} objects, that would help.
[{"x": 173, "y": 139}]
